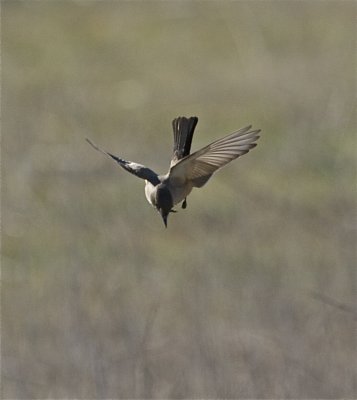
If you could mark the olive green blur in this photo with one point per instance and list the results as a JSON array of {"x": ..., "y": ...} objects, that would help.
[{"x": 249, "y": 292}]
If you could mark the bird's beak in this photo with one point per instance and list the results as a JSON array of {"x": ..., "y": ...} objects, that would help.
[{"x": 164, "y": 217}]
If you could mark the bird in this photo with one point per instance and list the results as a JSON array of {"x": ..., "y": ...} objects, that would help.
[{"x": 187, "y": 170}]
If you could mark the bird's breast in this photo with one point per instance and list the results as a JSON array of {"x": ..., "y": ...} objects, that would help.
[
  {"x": 179, "y": 192},
  {"x": 150, "y": 192}
]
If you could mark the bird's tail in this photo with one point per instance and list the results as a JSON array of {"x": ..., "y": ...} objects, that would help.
[{"x": 183, "y": 132}]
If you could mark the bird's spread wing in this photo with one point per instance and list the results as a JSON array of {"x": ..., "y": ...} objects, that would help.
[
  {"x": 137, "y": 169},
  {"x": 199, "y": 166}
]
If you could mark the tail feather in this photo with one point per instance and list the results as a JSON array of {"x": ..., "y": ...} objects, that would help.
[{"x": 183, "y": 132}]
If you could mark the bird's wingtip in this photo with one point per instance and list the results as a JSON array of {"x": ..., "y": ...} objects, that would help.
[
  {"x": 91, "y": 143},
  {"x": 97, "y": 148}
]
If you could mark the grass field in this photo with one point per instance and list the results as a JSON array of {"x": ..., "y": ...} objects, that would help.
[{"x": 251, "y": 291}]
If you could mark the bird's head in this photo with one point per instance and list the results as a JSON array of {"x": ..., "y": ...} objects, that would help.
[{"x": 164, "y": 202}]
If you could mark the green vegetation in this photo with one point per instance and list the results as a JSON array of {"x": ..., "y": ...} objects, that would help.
[{"x": 248, "y": 292}]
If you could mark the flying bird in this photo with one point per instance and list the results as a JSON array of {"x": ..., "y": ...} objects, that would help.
[{"x": 187, "y": 171}]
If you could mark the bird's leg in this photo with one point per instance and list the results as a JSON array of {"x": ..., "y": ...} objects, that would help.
[{"x": 184, "y": 204}]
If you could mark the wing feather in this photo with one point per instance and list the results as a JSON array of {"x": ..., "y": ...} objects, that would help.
[
  {"x": 134, "y": 168},
  {"x": 199, "y": 166}
]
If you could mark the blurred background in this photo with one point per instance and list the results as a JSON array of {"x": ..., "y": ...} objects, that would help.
[{"x": 250, "y": 292}]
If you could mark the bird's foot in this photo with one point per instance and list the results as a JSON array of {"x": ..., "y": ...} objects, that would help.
[
  {"x": 184, "y": 204},
  {"x": 173, "y": 211}
]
